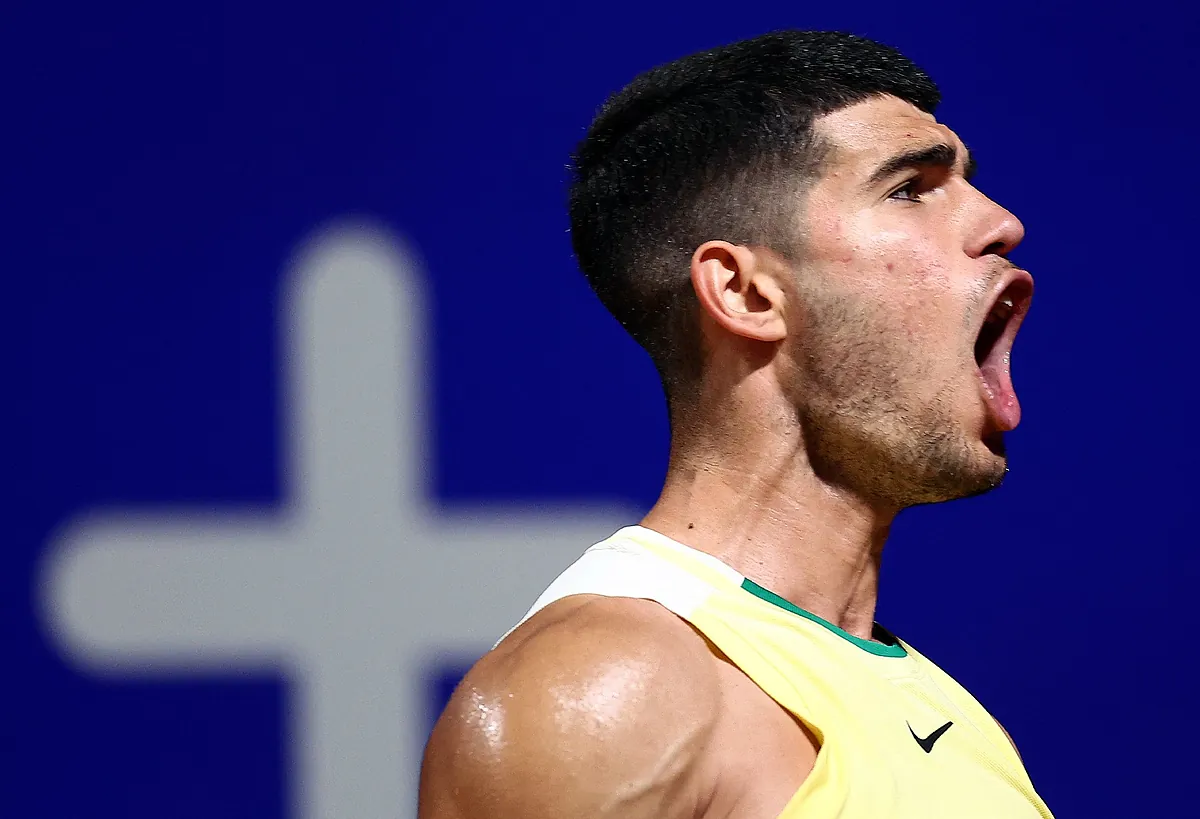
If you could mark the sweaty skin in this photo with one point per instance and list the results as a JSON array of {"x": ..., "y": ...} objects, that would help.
[{"x": 813, "y": 428}]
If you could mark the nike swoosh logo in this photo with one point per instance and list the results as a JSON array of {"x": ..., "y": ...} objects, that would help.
[{"x": 927, "y": 743}]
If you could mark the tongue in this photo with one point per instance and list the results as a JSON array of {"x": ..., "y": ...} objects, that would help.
[{"x": 998, "y": 390}]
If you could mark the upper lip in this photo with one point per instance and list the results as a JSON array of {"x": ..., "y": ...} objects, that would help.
[{"x": 1017, "y": 285}]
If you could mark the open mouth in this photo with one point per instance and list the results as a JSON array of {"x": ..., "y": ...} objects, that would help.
[{"x": 993, "y": 349}]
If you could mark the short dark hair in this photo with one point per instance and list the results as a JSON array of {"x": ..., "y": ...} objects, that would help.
[{"x": 716, "y": 145}]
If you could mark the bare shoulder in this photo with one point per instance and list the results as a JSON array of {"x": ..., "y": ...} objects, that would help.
[{"x": 599, "y": 707}]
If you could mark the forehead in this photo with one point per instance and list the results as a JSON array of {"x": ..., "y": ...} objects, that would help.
[{"x": 866, "y": 133}]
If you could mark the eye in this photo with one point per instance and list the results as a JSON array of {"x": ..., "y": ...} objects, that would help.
[{"x": 910, "y": 191}]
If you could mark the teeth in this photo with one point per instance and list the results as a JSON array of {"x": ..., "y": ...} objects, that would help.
[{"x": 1002, "y": 310}]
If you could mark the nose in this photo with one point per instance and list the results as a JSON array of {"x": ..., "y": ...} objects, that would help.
[{"x": 996, "y": 232}]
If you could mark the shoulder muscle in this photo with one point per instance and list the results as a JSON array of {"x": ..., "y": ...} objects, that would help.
[{"x": 603, "y": 709}]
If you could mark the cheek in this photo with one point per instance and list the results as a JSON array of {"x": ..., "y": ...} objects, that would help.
[
  {"x": 904, "y": 300},
  {"x": 893, "y": 284},
  {"x": 878, "y": 260},
  {"x": 916, "y": 288}
]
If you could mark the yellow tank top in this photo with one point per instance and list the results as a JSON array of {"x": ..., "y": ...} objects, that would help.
[{"x": 899, "y": 738}]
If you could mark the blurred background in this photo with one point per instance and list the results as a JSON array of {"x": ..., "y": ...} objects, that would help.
[{"x": 308, "y": 399}]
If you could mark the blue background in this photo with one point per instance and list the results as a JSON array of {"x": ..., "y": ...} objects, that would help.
[{"x": 163, "y": 160}]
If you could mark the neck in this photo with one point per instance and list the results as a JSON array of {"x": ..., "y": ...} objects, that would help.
[{"x": 760, "y": 509}]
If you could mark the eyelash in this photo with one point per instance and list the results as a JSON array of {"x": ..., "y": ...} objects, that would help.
[{"x": 910, "y": 186}]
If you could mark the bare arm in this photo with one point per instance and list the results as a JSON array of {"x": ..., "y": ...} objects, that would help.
[{"x": 604, "y": 711}]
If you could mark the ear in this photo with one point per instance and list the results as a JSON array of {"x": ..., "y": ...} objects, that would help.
[{"x": 739, "y": 290}]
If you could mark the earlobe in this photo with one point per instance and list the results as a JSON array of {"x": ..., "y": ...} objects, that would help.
[{"x": 738, "y": 291}]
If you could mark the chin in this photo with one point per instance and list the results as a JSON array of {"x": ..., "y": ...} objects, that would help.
[
  {"x": 988, "y": 484},
  {"x": 972, "y": 471},
  {"x": 989, "y": 472}
]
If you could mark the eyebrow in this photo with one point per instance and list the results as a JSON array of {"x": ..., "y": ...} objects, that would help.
[{"x": 941, "y": 155}]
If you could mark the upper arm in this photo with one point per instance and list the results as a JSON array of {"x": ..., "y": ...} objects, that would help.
[{"x": 606, "y": 713}]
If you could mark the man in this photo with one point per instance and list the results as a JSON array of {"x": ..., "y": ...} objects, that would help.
[{"x": 792, "y": 236}]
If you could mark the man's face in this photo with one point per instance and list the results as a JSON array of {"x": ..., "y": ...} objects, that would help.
[{"x": 900, "y": 267}]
